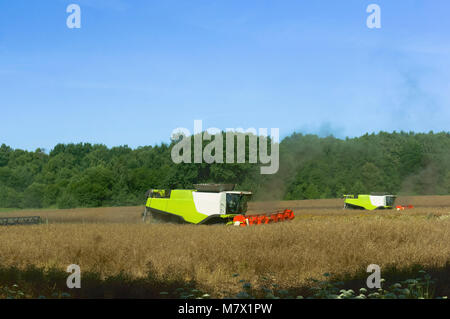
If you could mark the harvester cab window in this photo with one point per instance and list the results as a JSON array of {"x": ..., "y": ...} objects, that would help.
[
  {"x": 390, "y": 200},
  {"x": 236, "y": 203},
  {"x": 158, "y": 193}
]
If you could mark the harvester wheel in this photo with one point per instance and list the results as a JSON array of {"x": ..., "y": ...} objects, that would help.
[
  {"x": 150, "y": 218},
  {"x": 147, "y": 216}
]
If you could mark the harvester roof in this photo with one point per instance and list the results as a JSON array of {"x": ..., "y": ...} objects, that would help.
[{"x": 216, "y": 188}]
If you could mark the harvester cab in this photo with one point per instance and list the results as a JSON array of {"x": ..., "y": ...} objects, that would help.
[
  {"x": 369, "y": 202},
  {"x": 206, "y": 204}
]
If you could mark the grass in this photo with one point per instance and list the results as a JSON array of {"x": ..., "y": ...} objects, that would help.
[
  {"x": 7, "y": 210},
  {"x": 119, "y": 257}
]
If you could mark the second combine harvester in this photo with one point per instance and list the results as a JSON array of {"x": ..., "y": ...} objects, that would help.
[{"x": 206, "y": 204}]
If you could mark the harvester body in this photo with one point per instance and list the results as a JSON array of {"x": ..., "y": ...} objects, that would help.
[
  {"x": 369, "y": 202},
  {"x": 207, "y": 204},
  {"x": 196, "y": 207}
]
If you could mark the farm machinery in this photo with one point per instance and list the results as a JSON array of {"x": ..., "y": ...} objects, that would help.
[
  {"x": 206, "y": 204},
  {"x": 369, "y": 202},
  {"x": 11, "y": 221}
]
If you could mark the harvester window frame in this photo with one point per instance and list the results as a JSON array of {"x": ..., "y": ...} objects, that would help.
[
  {"x": 390, "y": 200},
  {"x": 240, "y": 207},
  {"x": 159, "y": 193}
]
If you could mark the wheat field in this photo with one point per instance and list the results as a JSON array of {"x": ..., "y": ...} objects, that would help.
[{"x": 322, "y": 238}]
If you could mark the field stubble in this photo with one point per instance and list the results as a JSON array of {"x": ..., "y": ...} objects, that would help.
[{"x": 322, "y": 238}]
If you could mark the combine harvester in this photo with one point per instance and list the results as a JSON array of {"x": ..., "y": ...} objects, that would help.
[
  {"x": 205, "y": 205},
  {"x": 372, "y": 202},
  {"x": 369, "y": 202}
]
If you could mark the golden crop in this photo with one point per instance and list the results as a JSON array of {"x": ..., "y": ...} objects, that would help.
[{"x": 321, "y": 239}]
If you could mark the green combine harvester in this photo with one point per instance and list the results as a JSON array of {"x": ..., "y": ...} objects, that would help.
[
  {"x": 206, "y": 204},
  {"x": 369, "y": 202}
]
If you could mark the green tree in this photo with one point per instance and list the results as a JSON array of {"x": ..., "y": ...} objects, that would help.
[
  {"x": 93, "y": 188},
  {"x": 33, "y": 196}
]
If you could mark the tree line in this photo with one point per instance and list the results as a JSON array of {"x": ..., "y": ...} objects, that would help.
[{"x": 86, "y": 175}]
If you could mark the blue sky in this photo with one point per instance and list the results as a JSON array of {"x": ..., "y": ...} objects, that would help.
[{"x": 137, "y": 70}]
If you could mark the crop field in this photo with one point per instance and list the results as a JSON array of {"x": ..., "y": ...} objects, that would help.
[{"x": 121, "y": 257}]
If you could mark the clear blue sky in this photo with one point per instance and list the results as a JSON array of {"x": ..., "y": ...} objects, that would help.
[{"x": 138, "y": 69}]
